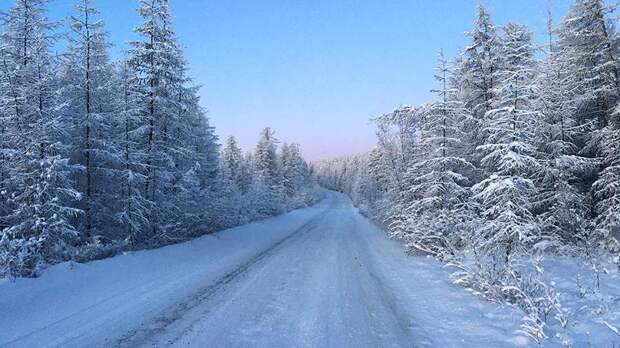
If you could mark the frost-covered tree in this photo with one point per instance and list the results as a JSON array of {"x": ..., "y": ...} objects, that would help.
[
  {"x": 441, "y": 181},
  {"x": 39, "y": 192},
  {"x": 266, "y": 157},
  {"x": 88, "y": 104},
  {"x": 586, "y": 45},
  {"x": 267, "y": 164},
  {"x": 390, "y": 161},
  {"x": 133, "y": 207},
  {"x": 294, "y": 169},
  {"x": 231, "y": 162},
  {"x": 606, "y": 189},
  {"x": 157, "y": 61},
  {"x": 588, "y": 73},
  {"x": 560, "y": 203},
  {"x": 509, "y": 153},
  {"x": 480, "y": 64}
]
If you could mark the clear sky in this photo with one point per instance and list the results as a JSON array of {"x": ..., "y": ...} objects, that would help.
[{"x": 314, "y": 70}]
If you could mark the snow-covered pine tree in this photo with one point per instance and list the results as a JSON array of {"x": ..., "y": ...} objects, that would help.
[
  {"x": 606, "y": 189},
  {"x": 231, "y": 161},
  {"x": 586, "y": 45},
  {"x": 39, "y": 189},
  {"x": 441, "y": 183},
  {"x": 266, "y": 157},
  {"x": 87, "y": 103},
  {"x": 195, "y": 154},
  {"x": 157, "y": 61},
  {"x": 267, "y": 164},
  {"x": 480, "y": 63},
  {"x": 294, "y": 169},
  {"x": 297, "y": 179},
  {"x": 252, "y": 189},
  {"x": 388, "y": 164},
  {"x": 133, "y": 207},
  {"x": 509, "y": 155},
  {"x": 560, "y": 203},
  {"x": 8, "y": 102}
]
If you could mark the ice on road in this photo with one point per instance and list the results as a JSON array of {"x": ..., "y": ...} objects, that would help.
[{"x": 317, "y": 277}]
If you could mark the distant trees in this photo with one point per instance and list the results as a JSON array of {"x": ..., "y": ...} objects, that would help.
[
  {"x": 518, "y": 155},
  {"x": 99, "y": 156}
]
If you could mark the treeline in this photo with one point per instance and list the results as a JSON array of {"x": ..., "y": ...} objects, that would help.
[
  {"x": 98, "y": 156},
  {"x": 518, "y": 155}
]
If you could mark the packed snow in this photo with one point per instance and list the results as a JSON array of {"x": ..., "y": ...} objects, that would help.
[{"x": 320, "y": 276}]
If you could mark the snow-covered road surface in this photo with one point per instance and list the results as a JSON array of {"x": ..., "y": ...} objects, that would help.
[{"x": 317, "y": 277}]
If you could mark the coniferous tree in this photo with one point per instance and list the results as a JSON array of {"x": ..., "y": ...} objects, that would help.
[
  {"x": 586, "y": 46},
  {"x": 480, "y": 65},
  {"x": 133, "y": 207},
  {"x": 441, "y": 180},
  {"x": 39, "y": 192},
  {"x": 267, "y": 166},
  {"x": 561, "y": 202},
  {"x": 510, "y": 159},
  {"x": 88, "y": 105},
  {"x": 157, "y": 61}
]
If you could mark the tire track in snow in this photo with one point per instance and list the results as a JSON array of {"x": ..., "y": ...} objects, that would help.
[{"x": 159, "y": 325}]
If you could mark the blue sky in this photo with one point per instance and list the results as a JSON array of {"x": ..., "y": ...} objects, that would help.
[{"x": 314, "y": 70}]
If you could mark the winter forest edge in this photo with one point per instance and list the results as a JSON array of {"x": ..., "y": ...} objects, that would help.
[
  {"x": 518, "y": 158},
  {"x": 100, "y": 157}
]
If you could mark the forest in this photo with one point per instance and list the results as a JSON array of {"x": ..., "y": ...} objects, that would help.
[
  {"x": 100, "y": 156},
  {"x": 517, "y": 158},
  {"x": 113, "y": 182}
]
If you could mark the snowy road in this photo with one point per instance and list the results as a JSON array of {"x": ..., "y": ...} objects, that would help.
[{"x": 317, "y": 277}]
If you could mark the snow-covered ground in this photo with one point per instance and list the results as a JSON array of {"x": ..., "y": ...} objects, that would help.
[
  {"x": 317, "y": 277},
  {"x": 594, "y": 312}
]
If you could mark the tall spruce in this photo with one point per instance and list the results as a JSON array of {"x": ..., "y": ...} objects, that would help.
[
  {"x": 39, "y": 191},
  {"x": 89, "y": 106},
  {"x": 510, "y": 160}
]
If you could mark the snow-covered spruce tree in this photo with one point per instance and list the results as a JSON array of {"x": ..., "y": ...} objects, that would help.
[
  {"x": 606, "y": 189},
  {"x": 586, "y": 45},
  {"x": 133, "y": 207},
  {"x": 88, "y": 104},
  {"x": 441, "y": 183},
  {"x": 587, "y": 49},
  {"x": 157, "y": 61},
  {"x": 196, "y": 154},
  {"x": 509, "y": 156},
  {"x": 509, "y": 231},
  {"x": 296, "y": 177},
  {"x": 267, "y": 164},
  {"x": 231, "y": 162},
  {"x": 288, "y": 169},
  {"x": 388, "y": 164},
  {"x": 480, "y": 64},
  {"x": 253, "y": 190},
  {"x": 561, "y": 202},
  {"x": 8, "y": 103},
  {"x": 39, "y": 190}
]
